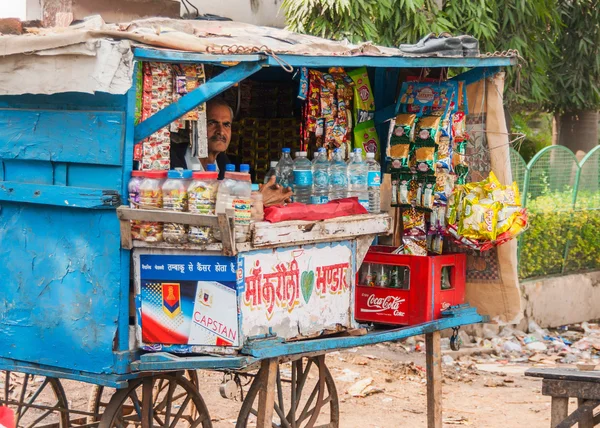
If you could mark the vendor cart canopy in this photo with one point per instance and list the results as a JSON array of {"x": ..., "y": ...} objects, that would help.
[{"x": 96, "y": 57}]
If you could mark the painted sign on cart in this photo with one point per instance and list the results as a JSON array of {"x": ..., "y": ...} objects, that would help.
[
  {"x": 296, "y": 291},
  {"x": 188, "y": 300}
]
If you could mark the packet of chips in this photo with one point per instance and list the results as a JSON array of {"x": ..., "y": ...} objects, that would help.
[
  {"x": 400, "y": 153},
  {"x": 444, "y": 183},
  {"x": 413, "y": 222},
  {"x": 461, "y": 171},
  {"x": 428, "y": 129},
  {"x": 424, "y": 157},
  {"x": 402, "y": 132},
  {"x": 426, "y": 193},
  {"x": 435, "y": 243},
  {"x": 364, "y": 103},
  {"x": 508, "y": 195},
  {"x": 365, "y": 137},
  {"x": 506, "y": 218},
  {"x": 479, "y": 220},
  {"x": 407, "y": 190},
  {"x": 491, "y": 183},
  {"x": 454, "y": 202},
  {"x": 415, "y": 246}
]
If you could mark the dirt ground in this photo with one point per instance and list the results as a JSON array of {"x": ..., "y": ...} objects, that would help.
[{"x": 477, "y": 391}]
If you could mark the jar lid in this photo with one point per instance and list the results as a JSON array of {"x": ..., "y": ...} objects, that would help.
[
  {"x": 156, "y": 175},
  {"x": 211, "y": 167},
  {"x": 205, "y": 175},
  {"x": 176, "y": 174},
  {"x": 137, "y": 173}
]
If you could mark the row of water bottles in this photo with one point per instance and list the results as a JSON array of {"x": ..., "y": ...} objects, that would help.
[{"x": 324, "y": 180}]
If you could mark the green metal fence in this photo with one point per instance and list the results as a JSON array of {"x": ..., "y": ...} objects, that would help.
[{"x": 563, "y": 200}]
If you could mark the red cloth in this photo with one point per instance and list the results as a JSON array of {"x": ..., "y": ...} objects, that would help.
[
  {"x": 296, "y": 211},
  {"x": 7, "y": 417}
]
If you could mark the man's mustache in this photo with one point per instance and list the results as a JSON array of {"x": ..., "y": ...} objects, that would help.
[{"x": 218, "y": 138}]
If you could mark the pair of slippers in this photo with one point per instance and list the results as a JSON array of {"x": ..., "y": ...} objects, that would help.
[{"x": 444, "y": 44}]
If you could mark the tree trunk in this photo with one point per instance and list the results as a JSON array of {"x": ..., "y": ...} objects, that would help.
[{"x": 578, "y": 130}]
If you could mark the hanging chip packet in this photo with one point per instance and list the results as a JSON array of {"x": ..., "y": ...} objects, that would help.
[
  {"x": 365, "y": 137},
  {"x": 364, "y": 103}
]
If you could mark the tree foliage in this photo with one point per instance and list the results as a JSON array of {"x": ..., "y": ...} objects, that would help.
[
  {"x": 530, "y": 26},
  {"x": 575, "y": 70}
]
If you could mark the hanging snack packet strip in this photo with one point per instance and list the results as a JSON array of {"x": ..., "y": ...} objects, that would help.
[
  {"x": 364, "y": 104},
  {"x": 424, "y": 157}
]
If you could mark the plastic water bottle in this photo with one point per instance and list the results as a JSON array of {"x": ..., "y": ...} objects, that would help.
[
  {"x": 373, "y": 183},
  {"x": 285, "y": 169},
  {"x": 303, "y": 179},
  {"x": 320, "y": 171},
  {"x": 350, "y": 157},
  {"x": 357, "y": 179},
  {"x": 338, "y": 178},
  {"x": 272, "y": 172}
]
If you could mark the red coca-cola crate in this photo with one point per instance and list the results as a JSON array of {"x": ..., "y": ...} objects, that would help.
[{"x": 423, "y": 286}]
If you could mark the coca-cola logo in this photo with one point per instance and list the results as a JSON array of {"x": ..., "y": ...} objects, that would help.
[{"x": 382, "y": 304}]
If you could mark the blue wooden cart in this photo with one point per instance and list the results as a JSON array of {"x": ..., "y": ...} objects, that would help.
[{"x": 65, "y": 160}]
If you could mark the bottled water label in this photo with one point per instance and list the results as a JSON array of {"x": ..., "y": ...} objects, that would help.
[
  {"x": 319, "y": 199},
  {"x": 303, "y": 178},
  {"x": 364, "y": 203},
  {"x": 358, "y": 180},
  {"x": 321, "y": 178},
  {"x": 374, "y": 179},
  {"x": 339, "y": 179}
]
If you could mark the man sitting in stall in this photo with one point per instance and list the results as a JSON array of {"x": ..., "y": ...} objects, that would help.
[{"x": 219, "y": 117}]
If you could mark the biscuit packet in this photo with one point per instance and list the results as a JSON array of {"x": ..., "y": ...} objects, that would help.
[
  {"x": 402, "y": 129},
  {"x": 364, "y": 103}
]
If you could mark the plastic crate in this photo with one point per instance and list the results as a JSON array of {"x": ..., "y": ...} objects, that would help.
[{"x": 424, "y": 287}]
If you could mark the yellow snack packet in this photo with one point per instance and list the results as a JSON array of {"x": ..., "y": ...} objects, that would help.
[
  {"x": 454, "y": 202},
  {"x": 479, "y": 220},
  {"x": 491, "y": 183},
  {"x": 506, "y": 218},
  {"x": 507, "y": 195}
]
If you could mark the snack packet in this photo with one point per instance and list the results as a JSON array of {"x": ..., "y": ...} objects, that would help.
[
  {"x": 479, "y": 220},
  {"x": 415, "y": 246},
  {"x": 407, "y": 190},
  {"x": 365, "y": 137},
  {"x": 402, "y": 131},
  {"x": 401, "y": 154},
  {"x": 506, "y": 218},
  {"x": 413, "y": 222},
  {"x": 424, "y": 157},
  {"x": 508, "y": 195},
  {"x": 425, "y": 193},
  {"x": 428, "y": 129},
  {"x": 454, "y": 202},
  {"x": 364, "y": 103},
  {"x": 435, "y": 243}
]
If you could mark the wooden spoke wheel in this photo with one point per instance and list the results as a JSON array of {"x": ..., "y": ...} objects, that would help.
[
  {"x": 100, "y": 397},
  {"x": 304, "y": 398},
  {"x": 165, "y": 400},
  {"x": 36, "y": 400}
]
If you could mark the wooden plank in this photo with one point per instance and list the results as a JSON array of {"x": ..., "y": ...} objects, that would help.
[
  {"x": 59, "y": 172},
  {"x": 147, "y": 402},
  {"x": 476, "y": 74},
  {"x": 569, "y": 388},
  {"x": 389, "y": 61},
  {"x": 564, "y": 374},
  {"x": 362, "y": 247},
  {"x": 64, "y": 196},
  {"x": 125, "y": 213},
  {"x": 305, "y": 232},
  {"x": 587, "y": 417},
  {"x": 213, "y": 247},
  {"x": 200, "y": 95},
  {"x": 559, "y": 410},
  {"x": 266, "y": 395},
  {"x": 91, "y": 137},
  {"x": 192, "y": 57},
  {"x": 280, "y": 349},
  {"x": 126, "y": 240},
  {"x": 227, "y": 234},
  {"x": 577, "y": 415},
  {"x": 433, "y": 357}
]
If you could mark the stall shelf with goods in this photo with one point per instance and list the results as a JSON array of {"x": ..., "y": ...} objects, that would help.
[{"x": 283, "y": 291}]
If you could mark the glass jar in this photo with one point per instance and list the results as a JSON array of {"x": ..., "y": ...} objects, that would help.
[
  {"x": 151, "y": 199},
  {"x": 175, "y": 198}
]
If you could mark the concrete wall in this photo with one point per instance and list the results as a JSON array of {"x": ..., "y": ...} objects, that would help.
[
  {"x": 257, "y": 12},
  {"x": 552, "y": 302}
]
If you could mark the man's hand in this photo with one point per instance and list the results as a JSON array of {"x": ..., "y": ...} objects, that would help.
[{"x": 274, "y": 194}]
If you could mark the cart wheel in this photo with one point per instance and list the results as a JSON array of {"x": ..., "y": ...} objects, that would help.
[
  {"x": 36, "y": 400},
  {"x": 168, "y": 400},
  {"x": 100, "y": 396},
  {"x": 306, "y": 399}
]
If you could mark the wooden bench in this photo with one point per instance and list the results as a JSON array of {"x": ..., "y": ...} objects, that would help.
[{"x": 562, "y": 384}]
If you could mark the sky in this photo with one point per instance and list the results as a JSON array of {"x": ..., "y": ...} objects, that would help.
[{"x": 12, "y": 9}]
